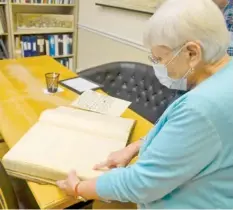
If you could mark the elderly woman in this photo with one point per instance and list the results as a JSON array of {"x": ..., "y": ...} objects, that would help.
[{"x": 186, "y": 160}]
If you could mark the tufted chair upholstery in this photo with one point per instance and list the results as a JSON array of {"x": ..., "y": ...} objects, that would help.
[{"x": 134, "y": 82}]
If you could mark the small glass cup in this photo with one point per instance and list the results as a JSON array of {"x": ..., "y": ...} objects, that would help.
[{"x": 52, "y": 81}]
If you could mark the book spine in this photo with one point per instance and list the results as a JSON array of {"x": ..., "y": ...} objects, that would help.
[
  {"x": 56, "y": 45},
  {"x": 60, "y": 44},
  {"x": 47, "y": 46},
  {"x": 65, "y": 44},
  {"x": 51, "y": 45},
  {"x": 40, "y": 45}
]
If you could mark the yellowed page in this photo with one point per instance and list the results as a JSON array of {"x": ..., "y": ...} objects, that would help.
[
  {"x": 50, "y": 152},
  {"x": 115, "y": 128}
]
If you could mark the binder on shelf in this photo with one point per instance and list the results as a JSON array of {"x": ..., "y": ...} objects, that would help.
[
  {"x": 24, "y": 46},
  {"x": 51, "y": 45},
  {"x": 60, "y": 44},
  {"x": 66, "y": 44},
  {"x": 71, "y": 63},
  {"x": 29, "y": 43},
  {"x": 62, "y": 62},
  {"x": 34, "y": 45},
  {"x": 18, "y": 48},
  {"x": 47, "y": 50},
  {"x": 70, "y": 44},
  {"x": 67, "y": 62},
  {"x": 56, "y": 45},
  {"x": 40, "y": 45}
]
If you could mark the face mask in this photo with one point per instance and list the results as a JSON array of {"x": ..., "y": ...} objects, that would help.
[{"x": 161, "y": 73}]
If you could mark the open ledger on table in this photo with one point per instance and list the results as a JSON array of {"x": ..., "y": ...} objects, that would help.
[{"x": 66, "y": 139}]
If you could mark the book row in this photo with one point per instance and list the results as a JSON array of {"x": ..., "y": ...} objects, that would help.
[
  {"x": 52, "y": 45},
  {"x": 67, "y": 62}
]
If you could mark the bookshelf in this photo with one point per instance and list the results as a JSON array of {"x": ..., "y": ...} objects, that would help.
[
  {"x": 4, "y": 29},
  {"x": 64, "y": 40}
]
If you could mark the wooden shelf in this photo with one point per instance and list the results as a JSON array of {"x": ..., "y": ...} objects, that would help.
[
  {"x": 60, "y": 56},
  {"x": 43, "y": 5},
  {"x": 43, "y": 32},
  {"x": 2, "y": 3},
  {"x": 64, "y": 56},
  {"x": 12, "y": 8}
]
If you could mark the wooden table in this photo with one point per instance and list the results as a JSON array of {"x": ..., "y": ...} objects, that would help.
[{"x": 22, "y": 100}]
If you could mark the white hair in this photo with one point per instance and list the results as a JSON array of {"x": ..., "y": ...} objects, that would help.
[{"x": 178, "y": 21}]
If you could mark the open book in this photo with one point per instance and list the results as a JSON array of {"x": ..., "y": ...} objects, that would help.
[{"x": 66, "y": 139}]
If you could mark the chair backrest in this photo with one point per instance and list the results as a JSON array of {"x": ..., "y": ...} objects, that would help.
[
  {"x": 135, "y": 82},
  {"x": 8, "y": 199}
]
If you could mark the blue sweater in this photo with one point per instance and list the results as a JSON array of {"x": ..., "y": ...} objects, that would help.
[{"x": 187, "y": 158}]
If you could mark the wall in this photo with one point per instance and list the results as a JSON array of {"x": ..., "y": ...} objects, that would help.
[{"x": 107, "y": 34}]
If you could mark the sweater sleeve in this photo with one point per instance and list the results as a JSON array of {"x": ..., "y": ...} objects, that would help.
[{"x": 185, "y": 145}]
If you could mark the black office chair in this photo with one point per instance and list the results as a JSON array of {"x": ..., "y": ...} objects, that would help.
[{"x": 134, "y": 82}]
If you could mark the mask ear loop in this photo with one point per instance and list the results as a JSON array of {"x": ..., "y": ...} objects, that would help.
[
  {"x": 190, "y": 71},
  {"x": 177, "y": 53}
]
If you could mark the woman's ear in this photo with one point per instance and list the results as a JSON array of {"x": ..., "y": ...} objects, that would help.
[
  {"x": 194, "y": 53},
  {"x": 221, "y": 3}
]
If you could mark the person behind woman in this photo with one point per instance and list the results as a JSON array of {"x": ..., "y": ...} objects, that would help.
[
  {"x": 186, "y": 160},
  {"x": 227, "y": 8}
]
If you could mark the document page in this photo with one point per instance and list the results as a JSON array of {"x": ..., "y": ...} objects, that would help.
[{"x": 97, "y": 102}]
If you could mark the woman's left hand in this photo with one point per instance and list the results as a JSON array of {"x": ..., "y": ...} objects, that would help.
[{"x": 68, "y": 185}]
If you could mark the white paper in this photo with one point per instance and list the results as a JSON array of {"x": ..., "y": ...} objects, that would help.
[
  {"x": 45, "y": 90},
  {"x": 97, "y": 102},
  {"x": 80, "y": 84}
]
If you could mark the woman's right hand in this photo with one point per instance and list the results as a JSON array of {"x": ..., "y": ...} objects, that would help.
[{"x": 120, "y": 158}]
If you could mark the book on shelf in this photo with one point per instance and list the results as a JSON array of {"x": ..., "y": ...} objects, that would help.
[
  {"x": 3, "y": 50},
  {"x": 65, "y": 139},
  {"x": 67, "y": 62},
  {"x": 3, "y": 22},
  {"x": 44, "y": 1}
]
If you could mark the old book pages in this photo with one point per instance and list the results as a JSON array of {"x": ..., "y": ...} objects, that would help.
[
  {"x": 66, "y": 139},
  {"x": 100, "y": 103}
]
